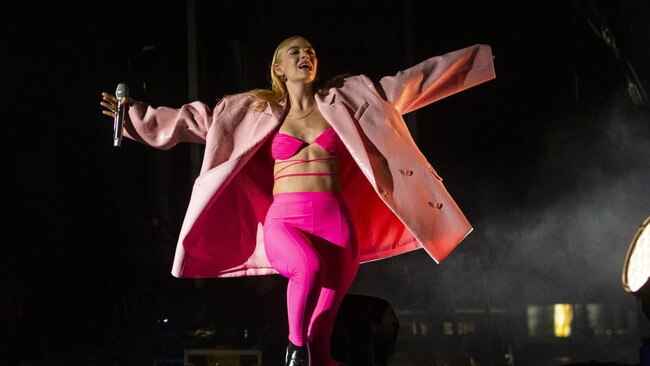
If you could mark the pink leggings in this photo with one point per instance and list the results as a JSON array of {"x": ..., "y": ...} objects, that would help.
[{"x": 310, "y": 239}]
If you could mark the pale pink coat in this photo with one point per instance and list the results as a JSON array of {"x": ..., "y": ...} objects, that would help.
[{"x": 397, "y": 199}]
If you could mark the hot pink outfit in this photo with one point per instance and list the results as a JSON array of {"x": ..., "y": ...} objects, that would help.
[
  {"x": 393, "y": 196},
  {"x": 310, "y": 238}
]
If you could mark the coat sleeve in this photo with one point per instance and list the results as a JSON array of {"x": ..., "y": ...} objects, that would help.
[
  {"x": 438, "y": 77},
  {"x": 164, "y": 127}
]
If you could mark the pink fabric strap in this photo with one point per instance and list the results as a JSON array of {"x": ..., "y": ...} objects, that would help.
[{"x": 293, "y": 162}]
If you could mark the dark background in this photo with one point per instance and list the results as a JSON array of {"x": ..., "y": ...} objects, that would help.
[{"x": 549, "y": 161}]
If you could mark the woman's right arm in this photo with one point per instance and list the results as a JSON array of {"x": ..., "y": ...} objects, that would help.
[{"x": 163, "y": 127}]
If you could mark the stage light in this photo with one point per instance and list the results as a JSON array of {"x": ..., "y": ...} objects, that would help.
[
  {"x": 562, "y": 319},
  {"x": 636, "y": 270}
]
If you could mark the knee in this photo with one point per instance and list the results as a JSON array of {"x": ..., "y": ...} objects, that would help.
[{"x": 310, "y": 268}]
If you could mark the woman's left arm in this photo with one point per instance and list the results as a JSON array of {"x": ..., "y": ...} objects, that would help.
[{"x": 439, "y": 77}]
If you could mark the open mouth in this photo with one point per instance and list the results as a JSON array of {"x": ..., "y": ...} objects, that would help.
[{"x": 305, "y": 66}]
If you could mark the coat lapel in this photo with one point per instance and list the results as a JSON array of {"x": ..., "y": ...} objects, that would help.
[
  {"x": 267, "y": 122},
  {"x": 339, "y": 116}
]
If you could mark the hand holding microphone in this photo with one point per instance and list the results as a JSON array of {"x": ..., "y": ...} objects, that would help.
[{"x": 115, "y": 107}]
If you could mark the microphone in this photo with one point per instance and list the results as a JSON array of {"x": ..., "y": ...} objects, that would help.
[{"x": 118, "y": 123}]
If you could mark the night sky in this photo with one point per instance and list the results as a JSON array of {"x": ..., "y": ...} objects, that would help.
[{"x": 550, "y": 161}]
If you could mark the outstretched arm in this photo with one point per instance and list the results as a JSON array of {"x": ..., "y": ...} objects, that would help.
[
  {"x": 439, "y": 77},
  {"x": 163, "y": 127}
]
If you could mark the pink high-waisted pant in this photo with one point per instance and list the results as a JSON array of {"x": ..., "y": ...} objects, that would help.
[{"x": 310, "y": 239}]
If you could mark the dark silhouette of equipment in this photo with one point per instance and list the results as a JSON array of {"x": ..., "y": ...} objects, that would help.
[{"x": 365, "y": 331}]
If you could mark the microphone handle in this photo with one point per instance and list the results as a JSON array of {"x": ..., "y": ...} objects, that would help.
[{"x": 118, "y": 124}]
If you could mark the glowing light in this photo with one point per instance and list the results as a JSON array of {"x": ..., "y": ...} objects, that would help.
[
  {"x": 637, "y": 264},
  {"x": 562, "y": 320}
]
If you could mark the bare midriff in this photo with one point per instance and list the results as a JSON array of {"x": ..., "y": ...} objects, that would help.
[
  {"x": 319, "y": 175},
  {"x": 312, "y": 169}
]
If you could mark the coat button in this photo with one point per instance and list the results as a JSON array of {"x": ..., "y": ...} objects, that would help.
[
  {"x": 406, "y": 172},
  {"x": 437, "y": 205}
]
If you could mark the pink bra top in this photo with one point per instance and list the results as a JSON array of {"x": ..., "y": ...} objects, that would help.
[{"x": 285, "y": 146}]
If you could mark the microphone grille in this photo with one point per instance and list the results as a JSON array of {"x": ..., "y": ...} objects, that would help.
[{"x": 121, "y": 91}]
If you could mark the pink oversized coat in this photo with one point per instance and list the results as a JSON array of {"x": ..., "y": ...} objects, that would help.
[{"x": 397, "y": 199}]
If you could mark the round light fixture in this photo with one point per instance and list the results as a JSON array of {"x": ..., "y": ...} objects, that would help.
[{"x": 637, "y": 263}]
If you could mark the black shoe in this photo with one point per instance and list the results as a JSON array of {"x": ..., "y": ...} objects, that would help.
[{"x": 297, "y": 355}]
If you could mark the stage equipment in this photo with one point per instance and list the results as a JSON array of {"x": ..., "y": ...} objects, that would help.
[
  {"x": 598, "y": 23},
  {"x": 636, "y": 270},
  {"x": 365, "y": 331},
  {"x": 222, "y": 357}
]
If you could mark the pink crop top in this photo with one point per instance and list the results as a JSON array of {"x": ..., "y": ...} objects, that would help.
[{"x": 285, "y": 146}]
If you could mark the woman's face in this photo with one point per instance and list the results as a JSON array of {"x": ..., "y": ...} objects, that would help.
[{"x": 297, "y": 61}]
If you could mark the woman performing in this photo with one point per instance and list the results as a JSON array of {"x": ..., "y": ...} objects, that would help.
[{"x": 308, "y": 181}]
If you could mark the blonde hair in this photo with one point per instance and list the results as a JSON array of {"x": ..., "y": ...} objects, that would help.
[{"x": 278, "y": 91}]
